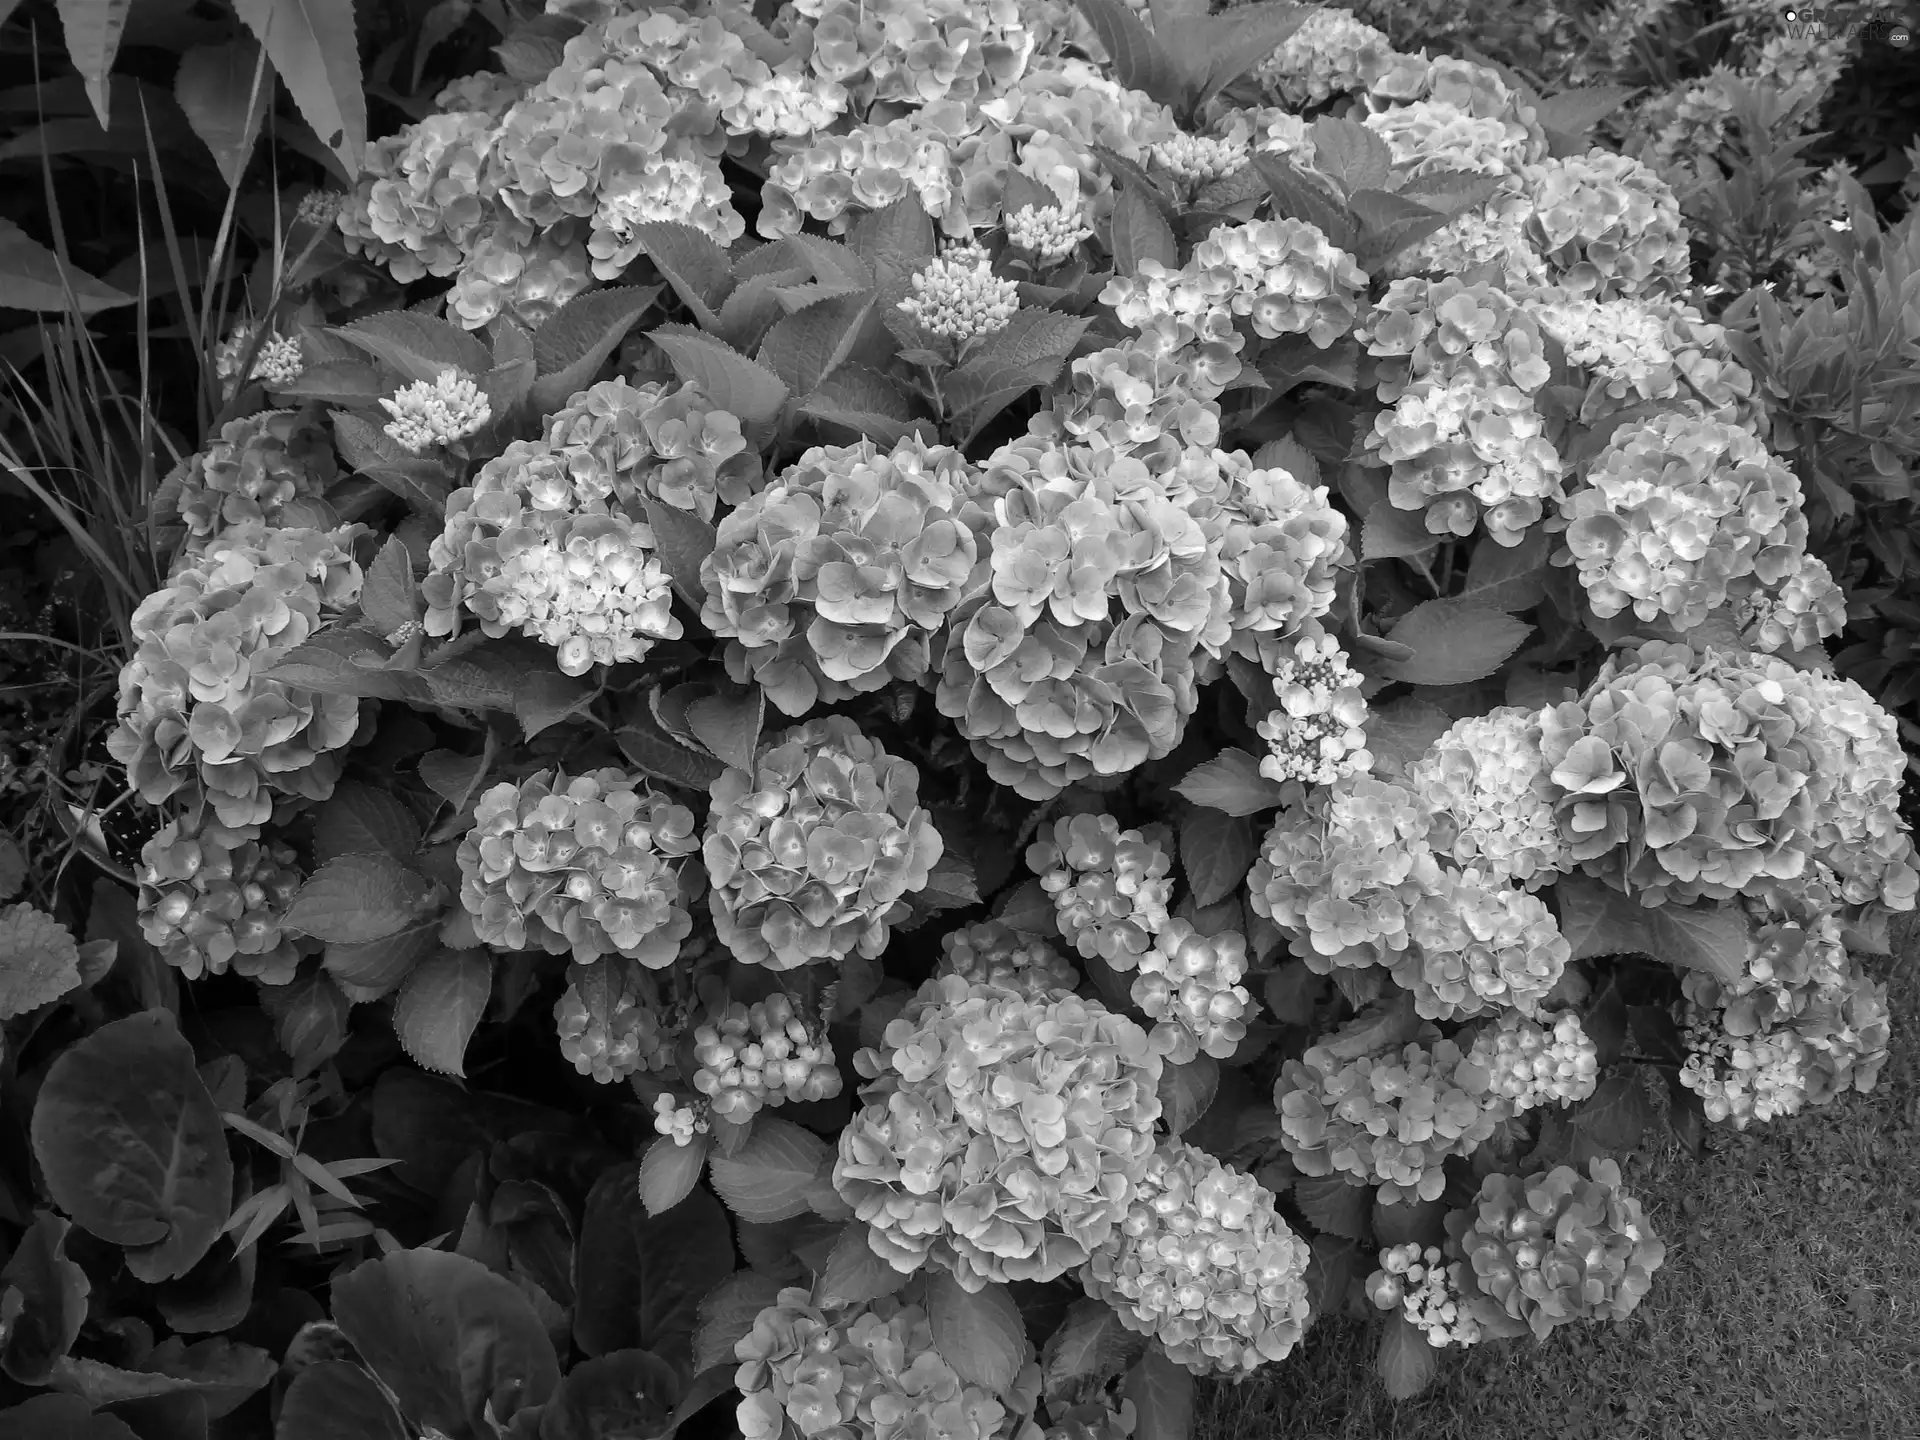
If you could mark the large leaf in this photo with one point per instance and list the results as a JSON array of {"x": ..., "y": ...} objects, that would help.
[
  {"x": 32, "y": 278},
  {"x": 866, "y": 402},
  {"x": 1140, "y": 233},
  {"x": 639, "y": 1278},
  {"x": 1405, "y": 1362},
  {"x": 368, "y": 450},
  {"x": 1390, "y": 533},
  {"x": 440, "y": 1006},
  {"x": 357, "y": 898},
  {"x": 978, "y": 1332},
  {"x": 1216, "y": 850},
  {"x": 727, "y": 1312},
  {"x": 627, "y": 1395},
  {"x": 1508, "y": 577},
  {"x": 1186, "y": 1092},
  {"x": 569, "y": 349},
  {"x": 768, "y": 1178},
  {"x": 360, "y": 819},
  {"x": 1085, "y": 1351},
  {"x": 728, "y": 723},
  {"x": 313, "y": 46},
  {"x": 1242, "y": 38},
  {"x": 1452, "y": 643},
  {"x": 131, "y": 1144},
  {"x": 63, "y": 1417},
  {"x": 683, "y": 541},
  {"x": 743, "y": 387},
  {"x": 854, "y": 1274},
  {"x": 38, "y": 960},
  {"x": 689, "y": 261},
  {"x": 1230, "y": 782},
  {"x": 1138, "y": 61},
  {"x": 93, "y": 29},
  {"x": 337, "y": 1400},
  {"x": 668, "y": 1172},
  {"x": 1300, "y": 196},
  {"x": 310, "y": 1019},
  {"x": 1617, "y": 1114},
  {"x": 1599, "y": 920},
  {"x": 1350, "y": 153},
  {"x": 804, "y": 348},
  {"x": 45, "y": 1294},
  {"x": 1162, "y": 1396},
  {"x": 461, "y": 1348},
  {"x": 1334, "y": 1207},
  {"x": 419, "y": 346},
  {"x": 224, "y": 91},
  {"x": 219, "y": 1374}
]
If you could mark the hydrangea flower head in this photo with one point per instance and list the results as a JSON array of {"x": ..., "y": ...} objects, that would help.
[
  {"x": 990, "y": 953},
  {"x": 1316, "y": 735},
  {"x": 1423, "y": 1287},
  {"x": 1203, "y": 1264},
  {"x": 1002, "y": 1135},
  {"x": 586, "y": 866},
  {"x": 1330, "y": 54},
  {"x": 1476, "y": 944},
  {"x": 1110, "y": 886},
  {"x": 248, "y": 476},
  {"x": 1190, "y": 984},
  {"x": 1486, "y": 782},
  {"x": 1534, "y": 1064},
  {"x": 211, "y": 900},
  {"x": 812, "y": 854},
  {"x": 751, "y": 1056},
  {"x": 1608, "y": 225},
  {"x": 610, "y": 1022},
  {"x": 427, "y": 414},
  {"x": 959, "y": 297}
]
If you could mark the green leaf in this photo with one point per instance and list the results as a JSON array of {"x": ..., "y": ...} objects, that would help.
[
  {"x": 1574, "y": 113},
  {"x": 1139, "y": 233},
  {"x": 1242, "y": 38},
  {"x": 359, "y": 819},
  {"x": 63, "y": 1417},
  {"x": 1089, "y": 1348},
  {"x": 310, "y": 1019},
  {"x": 1216, "y": 850},
  {"x": 132, "y": 1147},
  {"x": 1405, "y": 1362},
  {"x": 1231, "y": 782},
  {"x": 1138, "y": 61},
  {"x": 313, "y": 46},
  {"x": 1400, "y": 733},
  {"x": 983, "y": 387},
  {"x": 1617, "y": 1114},
  {"x": 1294, "y": 360},
  {"x": 668, "y": 1172},
  {"x": 543, "y": 698},
  {"x": 32, "y": 277},
  {"x": 356, "y": 898},
  {"x": 638, "y": 1278},
  {"x": 1186, "y": 1091},
  {"x": 390, "y": 599},
  {"x": 727, "y": 1313},
  {"x": 689, "y": 261},
  {"x": 461, "y": 1348},
  {"x": 1300, "y": 196},
  {"x": 1452, "y": 643},
  {"x": 895, "y": 241},
  {"x": 419, "y": 346},
  {"x": 854, "y": 1274},
  {"x": 368, "y": 970},
  {"x": 951, "y": 885},
  {"x": 1390, "y": 533},
  {"x": 768, "y": 1178},
  {"x": 728, "y": 723},
  {"x": 39, "y": 961},
  {"x": 729, "y": 379},
  {"x": 440, "y": 1006},
  {"x": 804, "y": 348},
  {"x": 683, "y": 541},
  {"x": 1389, "y": 223},
  {"x": 1037, "y": 338},
  {"x": 650, "y": 748},
  {"x": 629, "y": 1393},
  {"x": 1598, "y": 920},
  {"x": 1330, "y": 1271},
  {"x": 1162, "y": 1396},
  {"x": 224, "y": 91},
  {"x": 337, "y": 1400},
  {"x": 217, "y": 1373},
  {"x": 570, "y": 348},
  {"x": 47, "y": 1294},
  {"x": 1350, "y": 153},
  {"x": 1334, "y": 1207},
  {"x": 344, "y": 660},
  {"x": 866, "y": 402},
  {"x": 1508, "y": 577},
  {"x": 93, "y": 29},
  {"x": 368, "y": 450},
  {"x": 338, "y": 382},
  {"x": 978, "y": 1332}
]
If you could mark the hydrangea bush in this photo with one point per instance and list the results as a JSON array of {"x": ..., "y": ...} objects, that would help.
[{"x": 1071, "y": 677}]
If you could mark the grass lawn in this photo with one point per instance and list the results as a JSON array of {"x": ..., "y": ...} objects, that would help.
[{"x": 1788, "y": 1307}]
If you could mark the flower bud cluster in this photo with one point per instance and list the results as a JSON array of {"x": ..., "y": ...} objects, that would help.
[
  {"x": 211, "y": 900},
  {"x": 990, "y": 953},
  {"x": 1050, "y": 234},
  {"x": 1532, "y": 1064},
  {"x": 1203, "y": 1264},
  {"x": 587, "y": 866},
  {"x": 1486, "y": 785},
  {"x": 434, "y": 413},
  {"x": 812, "y": 854},
  {"x": 1608, "y": 226},
  {"x": 1674, "y": 510},
  {"x": 1423, "y": 1287},
  {"x": 762, "y": 1054},
  {"x": 866, "y": 1372},
  {"x": 1554, "y": 1247},
  {"x": 193, "y": 712},
  {"x": 1317, "y": 734},
  {"x": 610, "y": 1023},
  {"x": 679, "y": 1123},
  {"x": 276, "y": 364},
  {"x": 253, "y": 471},
  {"x": 832, "y": 581},
  {"x": 1194, "y": 160},
  {"x": 958, "y": 296},
  {"x": 1002, "y": 1136},
  {"x": 1330, "y": 54},
  {"x": 1190, "y": 984},
  {"x": 1388, "y": 1117},
  {"x": 1476, "y": 945},
  {"x": 1110, "y": 886}
]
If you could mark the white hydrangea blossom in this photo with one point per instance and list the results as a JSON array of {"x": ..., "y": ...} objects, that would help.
[
  {"x": 1317, "y": 734},
  {"x": 1486, "y": 784},
  {"x": 679, "y": 1123},
  {"x": 1050, "y": 233},
  {"x": 1744, "y": 1078},
  {"x": 1532, "y": 1065},
  {"x": 958, "y": 296},
  {"x": 787, "y": 103},
  {"x": 1196, "y": 159},
  {"x": 448, "y": 409},
  {"x": 1427, "y": 1291},
  {"x": 602, "y": 598},
  {"x": 277, "y": 363}
]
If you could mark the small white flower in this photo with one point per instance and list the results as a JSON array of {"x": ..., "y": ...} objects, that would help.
[
  {"x": 1316, "y": 734},
  {"x": 1197, "y": 159},
  {"x": 1049, "y": 233},
  {"x": 958, "y": 296},
  {"x": 424, "y": 415}
]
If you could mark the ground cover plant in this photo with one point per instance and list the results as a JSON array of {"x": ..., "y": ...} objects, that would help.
[{"x": 879, "y": 718}]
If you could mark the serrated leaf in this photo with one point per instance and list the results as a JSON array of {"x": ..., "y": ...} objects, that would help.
[
  {"x": 1240, "y": 39},
  {"x": 1186, "y": 1091},
  {"x": 343, "y": 660},
  {"x": 1508, "y": 577},
  {"x": 854, "y": 1274},
  {"x": 1405, "y": 1362},
  {"x": 337, "y": 382},
  {"x": 367, "y": 450},
  {"x": 895, "y": 241},
  {"x": 93, "y": 29},
  {"x": 978, "y": 1332},
  {"x": 651, "y": 749},
  {"x": 544, "y": 698},
  {"x": 1216, "y": 850},
  {"x": 32, "y": 277},
  {"x": 983, "y": 387},
  {"x": 1617, "y": 1114},
  {"x": 576, "y": 339},
  {"x": 309, "y": 1019},
  {"x": 1598, "y": 920},
  {"x": 357, "y": 898},
  {"x": 729, "y": 379},
  {"x": 668, "y": 1172},
  {"x": 224, "y": 91},
  {"x": 769, "y": 1177},
  {"x": 1137, "y": 59},
  {"x": 39, "y": 961},
  {"x": 756, "y": 304},
  {"x": 419, "y": 346},
  {"x": 1400, "y": 733},
  {"x": 1035, "y": 338},
  {"x": 804, "y": 348},
  {"x": 1390, "y": 533},
  {"x": 1294, "y": 360},
  {"x": 1299, "y": 196},
  {"x": 638, "y": 1278},
  {"x": 1231, "y": 782},
  {"x": 1162, "y": 1396},
  {"x": 1452, "y": 643},
  {"x": 440, "y": 1007},
  {"x": 689, "y": 261},
  {"x": 1334, "y": 1207},
  {"x": 728, "y": 723},
  {"x": 452, "y": 777},
  {"x": 1138, "y": 232},
  {"x": 682, "y": 541},
  {"x": 1576, "y": 112},
  {"x": 314, "y": 48},
  {"x": 951, "y": 885},
  {"x": 1350, "y": 153},
  {"x": 1085, "y": 1351},
  {"x": 727, "y": 1313},
  {"x": 389, "y": 598},
  {"x": 1028, "y": 907},
  {"x": 367, "y": 970},
  {"x": 1330, "y": 1271}
]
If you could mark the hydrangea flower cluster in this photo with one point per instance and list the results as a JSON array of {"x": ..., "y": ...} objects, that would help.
[
  {"x": 193, "y": 712},
  {"x": 587, "y": 866},
  {"x": 1195, "y": 160},
  {"x": 989, "y": 953},
  {"x": 1477, "y": 945},
  {"x": 1461, "y": 364},
  {"x": 1386, "y": 1118},
  {"x": 1423, "y": 1287},
  {"x": 1203, "y": 1264},
  {"x": 211, "y": 901},
  {"x": 832, "y": 580},
  {"x": 1554, "y": 1247},
  {"x": 1532, "y": 1064},
  {"x": 1636, "y": 350},
  {"x": 957, "y": 296},
  {"x": 1190, "y": 984},
  {"x": 1050, "y": 234},
  {"x": 1110, "y": 886},
  {"x": 832, "y": 177},
  {"x": 1492, "y": 801},
  {"x": 811, "y": 854},
  {"x": 439, "y": 412},
  {"x": 1674, "y": 511},
  {"x": 250, "y": 474},
  {"x": 679, "y": 1123},
  {"x": 1282, "y": 548},
  {"x": 1690, "y": 774},
  {"x": 920, "y": 52},
  {"x": 1608, "y": 226},
  {"x": 869, "y": 1370},
  {"x": 1002, "y": 1136},
  {"x": 612, "y": 1030},
  {"x": 1743, "y": 1078},
  {"x": 761, "y": 1054},
  {"x": 1316, "y": 735},
  {"x": 1429, "y": 137},
  {"x": 1330, "y": 54}
]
